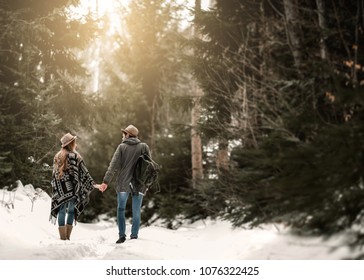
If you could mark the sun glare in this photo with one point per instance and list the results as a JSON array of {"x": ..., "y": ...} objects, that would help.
[
  {"x": 99, "y": 9},
  {"x": 96, "y": 8},
  {"x": 110, "y": 9},
  {"x": 108, "y": 15}
]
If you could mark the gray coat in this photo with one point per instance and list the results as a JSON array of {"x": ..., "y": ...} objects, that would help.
[{"x": 123, "y": 162}]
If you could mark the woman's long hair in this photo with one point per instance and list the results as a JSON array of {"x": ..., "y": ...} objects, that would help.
[{"x": 60, "y": 160}]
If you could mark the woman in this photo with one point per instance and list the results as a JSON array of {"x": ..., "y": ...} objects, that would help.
[{"x": 72, "y": 185}]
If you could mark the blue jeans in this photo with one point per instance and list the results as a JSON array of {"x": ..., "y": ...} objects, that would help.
[
  {"x": 68, "y": 207},
  {"x": 136, "y": 207}
]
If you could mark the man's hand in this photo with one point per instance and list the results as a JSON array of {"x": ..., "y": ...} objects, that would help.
[{"x": 103, "y": 187}]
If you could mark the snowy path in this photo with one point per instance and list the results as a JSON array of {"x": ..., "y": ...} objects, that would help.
[
  {"x": 28, "y": 235},
  {"x": 213, "y": 241}
]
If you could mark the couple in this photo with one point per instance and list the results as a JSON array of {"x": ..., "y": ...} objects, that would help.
[{"x": 72, "y": 183}]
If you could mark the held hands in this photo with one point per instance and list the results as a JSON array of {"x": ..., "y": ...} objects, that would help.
[{"x": 102, "y": 187}]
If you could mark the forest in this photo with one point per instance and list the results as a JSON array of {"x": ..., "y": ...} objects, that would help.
[{"x": 253, "y": 108}]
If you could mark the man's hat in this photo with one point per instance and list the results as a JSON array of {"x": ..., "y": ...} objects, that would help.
[{"x": 132, "y": 130}]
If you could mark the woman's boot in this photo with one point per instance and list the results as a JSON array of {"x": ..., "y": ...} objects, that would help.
[
  {"x": 62, "y": 232},
  {"x": 68, "y": 231}
]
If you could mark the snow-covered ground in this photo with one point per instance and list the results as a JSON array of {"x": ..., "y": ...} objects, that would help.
[
  {"x": 27, "y": 234},
  {"x": 30, "y": 247}
]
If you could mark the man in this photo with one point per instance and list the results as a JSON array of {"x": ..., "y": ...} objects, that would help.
[{"x": 122, "y": 163}]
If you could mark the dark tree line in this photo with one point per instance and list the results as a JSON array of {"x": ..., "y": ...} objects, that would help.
[{"x": 290, "y": 74}]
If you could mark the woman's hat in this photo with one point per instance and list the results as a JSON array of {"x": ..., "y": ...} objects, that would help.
[
  {"x": 132, "y": 130},
  {"x": 67, "y": 139}
]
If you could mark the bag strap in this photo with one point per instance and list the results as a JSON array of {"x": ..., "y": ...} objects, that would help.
[{"x": 144, "y": 148}]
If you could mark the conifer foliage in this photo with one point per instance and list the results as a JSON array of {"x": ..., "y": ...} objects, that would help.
[
  {"x": 298, "y": 118},
  {"x": 38, "y": 97}
]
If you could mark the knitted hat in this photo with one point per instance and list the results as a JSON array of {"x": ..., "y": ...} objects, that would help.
[
  {"x": 67, "y": 139},
  {"x": 132, "y": 130}
]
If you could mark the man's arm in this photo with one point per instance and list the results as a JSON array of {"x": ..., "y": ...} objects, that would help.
[{"x": 114, "y": 165}]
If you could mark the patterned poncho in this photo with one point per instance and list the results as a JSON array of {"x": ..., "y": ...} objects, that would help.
[{"x": 76, "y": 183}]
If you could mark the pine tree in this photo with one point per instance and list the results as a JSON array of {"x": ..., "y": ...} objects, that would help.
[
  {"x": 141, "y": 77},
  {"x": 36, "y": 91},
  {"x": 305, "y": 165}
]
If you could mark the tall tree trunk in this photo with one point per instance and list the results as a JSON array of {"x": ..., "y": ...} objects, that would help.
[
  {"x": 323, "y": 28},
  {"x": 356, "y": 44},
  {"x": 153, "y": 146},
  {"x": 222, "y": 157},
  {"x": 294, "y": 30},
  {"x": 196, "y": 145}
]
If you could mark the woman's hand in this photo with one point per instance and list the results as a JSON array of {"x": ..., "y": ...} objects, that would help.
[{"x": 97, "y": 186}]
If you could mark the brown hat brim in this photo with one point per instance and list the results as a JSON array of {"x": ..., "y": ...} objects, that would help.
[
  {"x": 69, "y": 141},
  {"x": 125, "y": 131}
]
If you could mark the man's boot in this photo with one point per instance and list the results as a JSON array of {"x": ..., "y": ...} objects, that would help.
[
  {"x": 62, "y": 232},
  {"x": 68, "y": 231}
]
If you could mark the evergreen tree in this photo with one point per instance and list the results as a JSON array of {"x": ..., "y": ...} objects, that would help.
[
  {"x": 151, "y": 61},
  {"x": 141, "y": 77},
  {"x": 39, "y": 99},
  {"x": 305, "y": 165}
]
